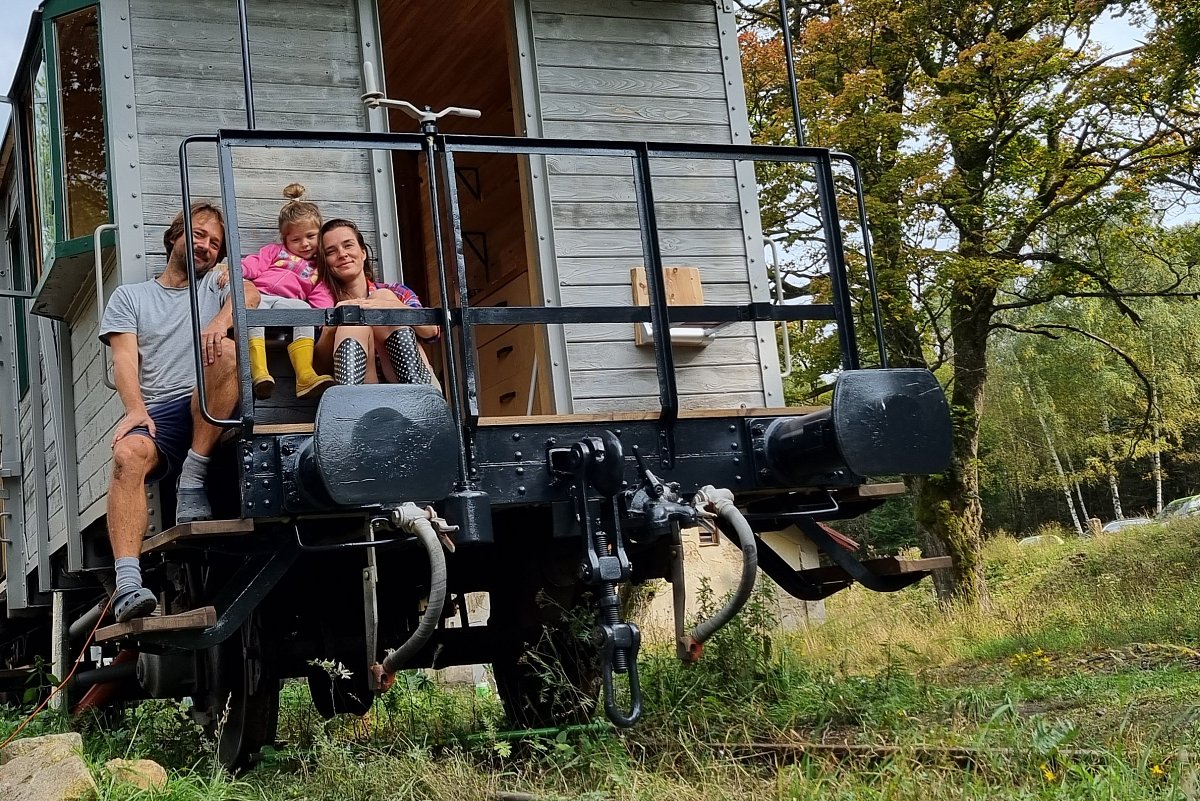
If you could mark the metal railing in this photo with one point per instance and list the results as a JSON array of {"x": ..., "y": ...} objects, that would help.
[{"x": 457, "y": 314}]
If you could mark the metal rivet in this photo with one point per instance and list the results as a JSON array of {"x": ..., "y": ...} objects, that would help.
[{"x": 518, "y": 454}]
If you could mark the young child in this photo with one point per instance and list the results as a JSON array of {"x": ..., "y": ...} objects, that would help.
[{"x": 287, "y": 279}]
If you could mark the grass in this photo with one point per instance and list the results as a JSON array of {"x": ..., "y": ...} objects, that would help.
[{"x": 1079, "y": 682}]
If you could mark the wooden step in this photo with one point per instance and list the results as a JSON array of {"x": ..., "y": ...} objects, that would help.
[
  {"x": 201, "y": 618},
  {"x": 177, "y": 535},
  {"x": 886, "y": 566}
]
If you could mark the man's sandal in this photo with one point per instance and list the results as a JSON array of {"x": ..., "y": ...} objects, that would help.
[
  {"x": 134, "y": 604},
  {"x": 191, "y": 504}
]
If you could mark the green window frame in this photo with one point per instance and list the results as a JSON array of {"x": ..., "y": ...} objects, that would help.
[{"x": 73, "y": 223}]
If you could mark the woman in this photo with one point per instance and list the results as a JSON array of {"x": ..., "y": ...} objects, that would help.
[{"x": 358, "y": 354}]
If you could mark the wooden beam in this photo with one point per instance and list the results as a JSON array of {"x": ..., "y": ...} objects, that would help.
[
  {"x": 864, "y": 491},
  {"x": 886, "y": 566},
  {"x": 201, "y": 528},
  {"x": 201, "y": 618},
  {"x": 636, "y": 416}
]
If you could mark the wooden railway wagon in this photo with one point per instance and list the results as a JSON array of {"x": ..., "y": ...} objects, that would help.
[{"x": 591, "y": 246}]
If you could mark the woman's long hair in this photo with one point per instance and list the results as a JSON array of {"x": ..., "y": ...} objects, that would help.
[{"x": 326, "y": 277}]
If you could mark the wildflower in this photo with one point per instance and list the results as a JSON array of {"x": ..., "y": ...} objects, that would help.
[
  {"x": 1157, "y": 771},
  {"x": 1049, "y": 774}
]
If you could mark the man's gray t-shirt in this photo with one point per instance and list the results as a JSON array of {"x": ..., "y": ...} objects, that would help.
[{"x": 161, "y": 317}]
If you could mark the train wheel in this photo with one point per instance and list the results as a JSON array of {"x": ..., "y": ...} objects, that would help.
[
  {"x": 242, "y": 701},
  {"x": 554, "y": 682}
]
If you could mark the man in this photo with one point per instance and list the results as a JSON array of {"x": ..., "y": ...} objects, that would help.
[{"x": 148, "y": 326}]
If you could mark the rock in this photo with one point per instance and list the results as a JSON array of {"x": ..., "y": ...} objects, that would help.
[
  {"x": 144, "y": 773},
  {"x": 46, "y": 768}
]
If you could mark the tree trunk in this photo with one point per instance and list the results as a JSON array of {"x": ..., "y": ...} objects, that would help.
[
  {"x": 1083, "y": 512},
  {"x": 1062, "y": 475},
  {"x": 1156, "y": 451},
  {"x": 949, "y": 514},
  {"x": 1113, "y": 489}
]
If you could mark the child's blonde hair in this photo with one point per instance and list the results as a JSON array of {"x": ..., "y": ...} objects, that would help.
[{"x": 297, "y": 210}]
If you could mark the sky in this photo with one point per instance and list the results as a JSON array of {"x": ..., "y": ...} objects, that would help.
[{"x": 12, "y": 39}]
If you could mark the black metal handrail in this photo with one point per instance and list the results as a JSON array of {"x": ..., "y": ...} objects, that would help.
[{"x": 440, "y": 150}]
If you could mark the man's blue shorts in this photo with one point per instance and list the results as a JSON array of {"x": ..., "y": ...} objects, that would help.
[{"x": 172, "y": 437}]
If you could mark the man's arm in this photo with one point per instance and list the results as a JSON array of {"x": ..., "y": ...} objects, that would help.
[
  {"x": 213, "y": 337},
  {"x": 125, "y": 372}
]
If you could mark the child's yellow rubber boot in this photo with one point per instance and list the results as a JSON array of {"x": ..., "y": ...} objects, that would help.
[
  {"x": 307, "y": 381},
  {"x": 264, "y": 385}
]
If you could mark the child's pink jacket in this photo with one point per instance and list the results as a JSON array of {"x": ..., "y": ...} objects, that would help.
[{"x": 277, "y": 271}]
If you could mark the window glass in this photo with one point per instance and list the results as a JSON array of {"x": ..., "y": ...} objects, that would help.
[
  {"x": 43, "y": 169},
  {"x": 81, "y": 116}
]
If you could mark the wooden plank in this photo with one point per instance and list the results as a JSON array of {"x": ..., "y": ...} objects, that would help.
[
  {"x": 632, "y": 416},
  {"x": 182, "y": 121},
  {"x": 631, "y": 10},
  {"x": 269, "y": 97},
  {"x": 600, "y": 81},
  {"x": 617, "y": 189},
  {"x": 607, "y": 240},
  {"x": 625, "y": 109},
  {"x": 722, "y": 351},
  {"x": 644, "y": 381},
  {"x": 647, "y": 32},
  {"x": 164, "y": 152},
  {"x": 201, "y": 618},
  {"x": 639, "y": 132},
  {"x": 338, "y": 32},
  {"x": 717, "y": 294},
  {"x": 197, "y": 530},
  {"x": 631, "y": 56},
  {"x": 341, "y": 74},
  {"x": 670, "y": 216},
  {"x": 606, "y": 270},
  {"x": 619, "y": 332},
  {"x": 659, "y": 167},
  {"x": 886, "y": 566},
  {"x": 274, "y": 429},
  {"x": 261, "y": 213},
  {"x": 889, "y": 490},
  {"x": 306, "y": 13}
]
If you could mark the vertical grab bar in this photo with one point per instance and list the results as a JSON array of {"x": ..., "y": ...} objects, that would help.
[
  {"x": 100, "y": 229},
  {"x": 778, "y": 274},
  {"x": 194, "y": 282},
  {"x": 868, "y": 247}
]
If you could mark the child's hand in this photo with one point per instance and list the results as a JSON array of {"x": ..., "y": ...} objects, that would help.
[{"x": 222, "y": 275}]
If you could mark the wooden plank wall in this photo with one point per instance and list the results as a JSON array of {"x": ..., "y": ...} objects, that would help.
[
  {"x": 626, "y": 69},
  {"x": 32, "y": 523},
  {"x": 188, "y": 80},
  {"x": 97, "y": 408},
  {"x": 307, "y": 66}
]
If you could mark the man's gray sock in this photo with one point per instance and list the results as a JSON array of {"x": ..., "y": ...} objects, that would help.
[
  {"x": 195, "y": 469},
  {"x": 129, "y": 574}
]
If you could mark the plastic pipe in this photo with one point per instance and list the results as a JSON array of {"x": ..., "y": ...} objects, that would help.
[
  {"x": 412, "y": 520},
  {"x": 721, "y": 502}
]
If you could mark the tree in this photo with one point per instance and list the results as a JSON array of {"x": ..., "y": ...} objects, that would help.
[{"x": 990, "y": 136}]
